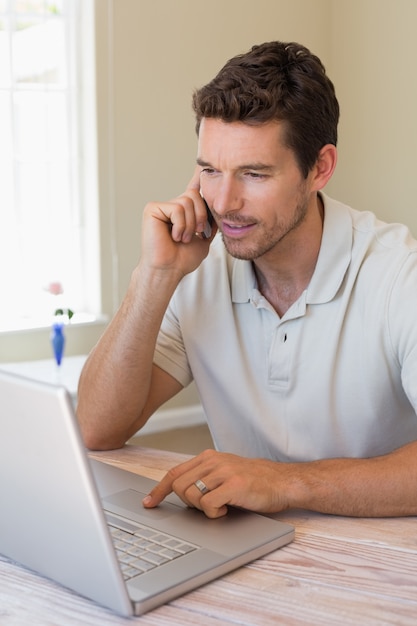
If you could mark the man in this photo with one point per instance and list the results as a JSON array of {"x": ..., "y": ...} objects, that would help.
[{"x": 297, "y": 321}]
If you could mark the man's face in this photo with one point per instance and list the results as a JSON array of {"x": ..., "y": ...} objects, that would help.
[{"x": 253, "y": 185}]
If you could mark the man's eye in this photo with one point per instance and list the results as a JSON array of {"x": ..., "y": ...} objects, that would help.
[
  {"x": 208, "y": 170},
  {"x": 256, "y": 175}
]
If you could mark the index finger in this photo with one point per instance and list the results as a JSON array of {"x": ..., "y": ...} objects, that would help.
[
  {"x": 194, "y": 183},
  {"x": 158, "y": 493},
  {"x": 165, "y": 486}
]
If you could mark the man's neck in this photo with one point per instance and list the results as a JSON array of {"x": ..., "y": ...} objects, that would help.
[{"x": 285, "y": 273}]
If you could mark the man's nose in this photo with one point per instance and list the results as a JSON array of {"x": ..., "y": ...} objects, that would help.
[{"x": 227, "y": 198}]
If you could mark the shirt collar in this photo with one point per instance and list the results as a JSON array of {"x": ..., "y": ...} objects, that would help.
[
  {"x": 335, "y": 252},
  {"x": 332, "y": 263}
]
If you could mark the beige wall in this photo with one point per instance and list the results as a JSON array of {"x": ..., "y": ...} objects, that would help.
[
  {"x": 152, "y": 54},
  {"x": 374, "y": 63}
]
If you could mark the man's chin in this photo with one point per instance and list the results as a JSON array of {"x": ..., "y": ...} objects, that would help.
[{"x": 240, "y": 250}]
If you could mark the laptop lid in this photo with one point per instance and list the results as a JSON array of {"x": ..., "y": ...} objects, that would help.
[{"x": 53, "y": 520}]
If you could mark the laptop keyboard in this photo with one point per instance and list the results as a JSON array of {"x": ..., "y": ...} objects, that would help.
[{"x": 140, "y": 548}]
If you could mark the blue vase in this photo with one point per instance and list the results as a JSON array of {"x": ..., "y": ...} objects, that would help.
[{"x": 58, "y": 342}]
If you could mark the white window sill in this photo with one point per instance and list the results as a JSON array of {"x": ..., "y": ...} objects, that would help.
[{"x": 67, "y": 375}]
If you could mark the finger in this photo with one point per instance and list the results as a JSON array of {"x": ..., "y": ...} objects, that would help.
[
  {"x": 213, "y": 511},
  {"x": 158, "y": 493},
  {"x": 204, "y": 219},
  {"x": 194, "y": 183},
  {"x": 209, "y": 500},
  {"x": 165, "y": 486},
  {"x": 196, "y": 221},
  {"x": 190, "y": 215},
  {"x": 183, "y": 219},
  {"x": 206, "y": 227},
  {"x": 187, "y": 216}
]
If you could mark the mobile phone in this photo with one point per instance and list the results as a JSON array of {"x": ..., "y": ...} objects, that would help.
[{"x": 207, "y": 230}]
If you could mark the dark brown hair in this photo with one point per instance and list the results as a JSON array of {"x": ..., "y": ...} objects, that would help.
[{"x": 276, "y": 81}]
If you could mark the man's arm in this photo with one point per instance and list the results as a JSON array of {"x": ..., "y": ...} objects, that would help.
[
  {"x": 120, "y": 387},
  {"x": 382, "y": 486}
]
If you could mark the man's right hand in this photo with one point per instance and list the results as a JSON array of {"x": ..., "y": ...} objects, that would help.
[{"x": 171, "y": 232}]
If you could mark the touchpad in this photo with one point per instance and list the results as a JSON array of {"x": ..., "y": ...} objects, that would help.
[{"x": 129, "y": 503}]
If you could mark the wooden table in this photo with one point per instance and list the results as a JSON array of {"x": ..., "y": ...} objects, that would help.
[{"x": 337, "y": 571}]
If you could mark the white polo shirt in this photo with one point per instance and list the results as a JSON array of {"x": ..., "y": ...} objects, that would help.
[{"x": 335, "y": 376}]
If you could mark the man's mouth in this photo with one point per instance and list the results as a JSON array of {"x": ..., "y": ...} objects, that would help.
[{"x": 234, "y": 229}]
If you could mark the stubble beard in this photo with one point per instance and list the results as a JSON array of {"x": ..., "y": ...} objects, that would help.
[{"x": 268, "y": 239}]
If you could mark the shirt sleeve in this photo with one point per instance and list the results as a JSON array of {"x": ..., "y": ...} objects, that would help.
[
  {"x": 170, "y": 354},
  {"x": 402, "y": 325}
]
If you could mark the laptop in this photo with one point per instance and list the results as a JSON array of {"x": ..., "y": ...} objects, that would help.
[{"x": 80, "y": 522}]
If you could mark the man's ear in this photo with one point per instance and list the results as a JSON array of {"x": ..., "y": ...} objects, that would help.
[{"x": 324, "y": 167}]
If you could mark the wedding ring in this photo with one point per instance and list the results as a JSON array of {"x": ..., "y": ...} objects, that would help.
[{"x": 201, "y": 486}]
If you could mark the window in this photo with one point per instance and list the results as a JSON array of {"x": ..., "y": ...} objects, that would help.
[{"x": 47, "y": 153}]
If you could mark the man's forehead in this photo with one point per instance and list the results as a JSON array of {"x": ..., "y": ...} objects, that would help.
[{"x": 255, "y": 146}]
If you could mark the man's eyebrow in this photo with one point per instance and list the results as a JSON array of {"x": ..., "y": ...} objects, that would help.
[
  {"x": 247, "y": 166},
  {"x": 257, "y": 167},
  {"x": 203, "y": 163}
]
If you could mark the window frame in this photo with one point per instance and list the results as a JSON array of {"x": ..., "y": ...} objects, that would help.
[{"x": 80, "y": 29}]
